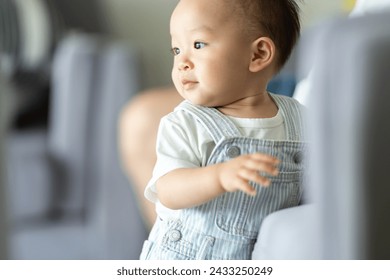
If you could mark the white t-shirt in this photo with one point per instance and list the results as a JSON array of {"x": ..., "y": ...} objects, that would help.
[{"x": 182, "y": 142}]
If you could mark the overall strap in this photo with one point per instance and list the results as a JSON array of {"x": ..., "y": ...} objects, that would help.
[
  {"x": 292, "y": 115},
  {"x": 217, "y": 124},
  {"x": 220, "y": 126}
]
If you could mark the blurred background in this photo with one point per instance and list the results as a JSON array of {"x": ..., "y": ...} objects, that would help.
[{"x": 66, "y": 70}]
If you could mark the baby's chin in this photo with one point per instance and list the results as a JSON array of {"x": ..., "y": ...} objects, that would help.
[
  {"x": 198, "y": 97},
  {"x": 203, "y": 103}
]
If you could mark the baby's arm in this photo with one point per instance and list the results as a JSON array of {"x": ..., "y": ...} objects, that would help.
[{"x": 188, "y": 187}]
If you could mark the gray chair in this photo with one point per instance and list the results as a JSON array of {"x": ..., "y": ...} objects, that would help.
[
  {"x": 349, "y": 132},
  {"x": 4, "y": 105},
  {"x": 69, "y": 198},
  {"x": 65, "y": 195}
]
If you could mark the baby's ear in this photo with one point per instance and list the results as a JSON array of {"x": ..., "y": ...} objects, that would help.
[{"x": 263, "y": 54}]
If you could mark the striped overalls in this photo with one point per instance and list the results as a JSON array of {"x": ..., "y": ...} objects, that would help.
[{"x": 227, "y": 227}]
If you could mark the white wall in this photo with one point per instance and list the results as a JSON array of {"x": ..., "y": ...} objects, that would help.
[
  {"x": 145, "y": 23},
  {"x": 314, "y": 11}
]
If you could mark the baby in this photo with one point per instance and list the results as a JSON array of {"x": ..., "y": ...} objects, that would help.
[{"x": 231, "y": 153}]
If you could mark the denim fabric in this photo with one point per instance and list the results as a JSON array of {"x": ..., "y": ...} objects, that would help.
[{"x": 227, "y": 227}]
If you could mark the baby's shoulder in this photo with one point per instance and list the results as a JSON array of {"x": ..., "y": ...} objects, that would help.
[
  {"x": 180, "y": 114},
  {"x": 181, "y": 118}
]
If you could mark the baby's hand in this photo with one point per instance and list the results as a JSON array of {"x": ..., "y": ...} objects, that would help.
[{"x": 236, "y": 174}]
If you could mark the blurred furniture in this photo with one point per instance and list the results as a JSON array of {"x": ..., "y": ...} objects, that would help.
[
  {"x": 64, "y": 195},
  {"x": 3, "y": 208},
  {"x": 68, "y": 196},
  {"x": 349, "y": 132},
  {"x": 30, "y": 31}
]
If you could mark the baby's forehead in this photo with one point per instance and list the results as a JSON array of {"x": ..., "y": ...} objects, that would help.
[
  {"x": 204, "y": 10},
  {"x": 220, "y": 7}
]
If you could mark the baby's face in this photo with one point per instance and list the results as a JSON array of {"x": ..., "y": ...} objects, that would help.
[{"x": 211, "y": 52}]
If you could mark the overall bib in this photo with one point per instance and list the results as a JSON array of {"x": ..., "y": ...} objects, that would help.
[{"x": 228, "y": 226}]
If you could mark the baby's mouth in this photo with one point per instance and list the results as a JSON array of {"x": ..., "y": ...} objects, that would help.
[{"x": 188, "y": 83}]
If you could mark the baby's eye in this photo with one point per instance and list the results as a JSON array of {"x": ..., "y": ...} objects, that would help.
[
  {"x": 175, "y": 51},
  {"x": 199, "y": 45}
]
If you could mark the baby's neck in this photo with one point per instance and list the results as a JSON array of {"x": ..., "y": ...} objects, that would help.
[{"x": 259, "y": 106}]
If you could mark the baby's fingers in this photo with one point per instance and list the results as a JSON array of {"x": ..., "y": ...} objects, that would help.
[
  {"x": 265, "y": 158},
  {"x": 254, "y": 176},
  {"x": 244, "y": 185},
  {"x": 257, "y": 163}
]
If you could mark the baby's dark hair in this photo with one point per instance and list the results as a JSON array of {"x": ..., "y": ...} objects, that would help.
[{"x": 277, "y": 19}]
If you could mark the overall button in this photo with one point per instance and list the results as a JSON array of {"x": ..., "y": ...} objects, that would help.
[
  {"x": 298, "y": 157},
  {"x": 174, "y": 235},
  {"x": 233, "y": 152}
]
